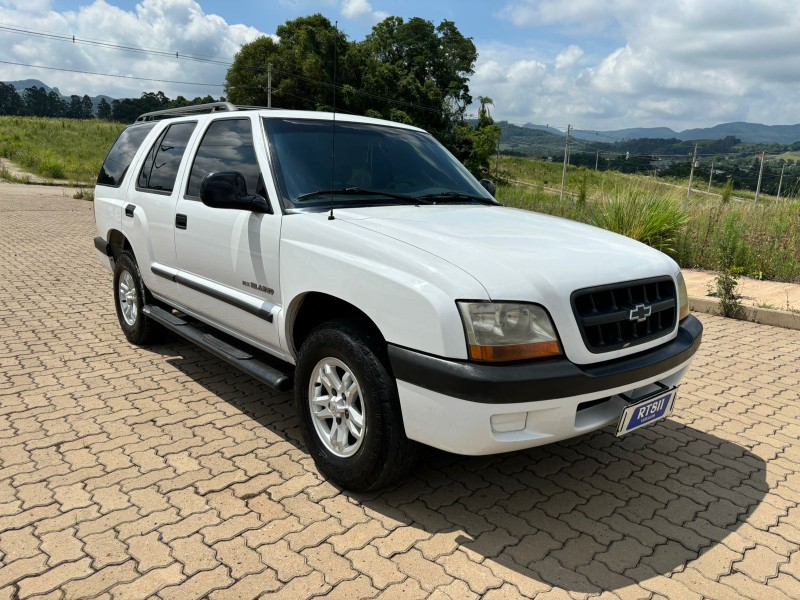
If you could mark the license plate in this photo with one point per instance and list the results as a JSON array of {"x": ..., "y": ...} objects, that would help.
[{"x": 646, "y": 411}]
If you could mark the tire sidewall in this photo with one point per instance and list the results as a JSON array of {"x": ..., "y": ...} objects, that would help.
[
  {"x": 377, "y": 392},
  {"x": 134, "y": 332}
]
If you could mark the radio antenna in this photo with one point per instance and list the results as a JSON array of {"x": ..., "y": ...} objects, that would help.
[{"x": 333, "y": 127}]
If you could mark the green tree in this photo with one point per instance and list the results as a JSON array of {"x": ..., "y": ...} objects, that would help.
[
  {"x": 420, "y": 64},
  {"x": 10, "y": 100},
  {"x": 483, "y": 140},
  {"x": 302, "y": 59},
  {"x": 56, "y": 107},
  {"x": 87, "y": 108},
  {"x": 75, "y": 107},
  {"x": 35, "y": 101},
  {"x": 103, "y": 109}
]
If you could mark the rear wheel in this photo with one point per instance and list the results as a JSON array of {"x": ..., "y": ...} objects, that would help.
[
  {"x": 349, "y": 410},
  {"x": 130, "y": 297}
]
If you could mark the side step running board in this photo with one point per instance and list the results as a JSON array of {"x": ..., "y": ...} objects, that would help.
[{"x": 241, "y": 359}]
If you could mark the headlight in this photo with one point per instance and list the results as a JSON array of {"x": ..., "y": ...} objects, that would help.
[
  {"x": 683, "y": 298},
  {"x": 501, "y": 331}
]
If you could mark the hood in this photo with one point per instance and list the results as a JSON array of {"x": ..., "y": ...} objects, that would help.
[{"x": 517, "y": 254}]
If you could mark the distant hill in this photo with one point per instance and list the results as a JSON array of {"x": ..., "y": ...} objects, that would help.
[
  {"x": 530, "y": 141},
  {"x": 24, "y": 84},
  {"x": 749, "y": 133}
]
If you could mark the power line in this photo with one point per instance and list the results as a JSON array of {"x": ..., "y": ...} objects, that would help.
[
  {"x": 112, "y": 45},
  {"x": 8, "y": 62}
]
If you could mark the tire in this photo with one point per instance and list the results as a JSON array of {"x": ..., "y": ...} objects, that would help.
[
  {"x": 358, "y": 458},
  {"x": 130, "y": 297}
]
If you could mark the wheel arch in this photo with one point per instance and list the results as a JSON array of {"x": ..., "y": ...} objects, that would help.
[
  {"x": 311, "y": 309},
  {"x": 118, "y": 242}
]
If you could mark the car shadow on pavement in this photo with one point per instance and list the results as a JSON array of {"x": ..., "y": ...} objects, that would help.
[{"x": 590, "y": 514}]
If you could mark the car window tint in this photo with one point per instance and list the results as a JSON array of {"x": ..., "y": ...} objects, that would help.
[
  {"x": 368, "y": 156},
  {"x": 227, "y": 146},
  {"x": 161, "y": 166},
  {"x": 121, "y": 154}
]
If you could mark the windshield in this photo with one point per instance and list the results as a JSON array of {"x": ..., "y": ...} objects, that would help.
[{"x": 374, "y": 164}]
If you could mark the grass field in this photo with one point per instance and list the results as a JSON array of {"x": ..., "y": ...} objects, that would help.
[
  {"x": 761, "y": 240},
  {"x": 57, "y": 148}
]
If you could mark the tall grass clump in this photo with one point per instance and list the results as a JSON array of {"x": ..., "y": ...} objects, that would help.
[
  {"x": 655, "y": 219},
  {"x": 727, "y": 279},
  {"x": 727, "y": 191}
]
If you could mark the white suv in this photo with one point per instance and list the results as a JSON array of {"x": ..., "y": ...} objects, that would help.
[{"x": 361, "y": 262}]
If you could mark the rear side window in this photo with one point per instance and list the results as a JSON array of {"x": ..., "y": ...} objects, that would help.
[
  {"x": 119, "y": 158},
  {"x": 161, "y": 165},
  {"x": 227, "y": 146}
]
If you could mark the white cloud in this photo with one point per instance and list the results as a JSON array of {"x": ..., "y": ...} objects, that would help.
[
  {"x": 679, "y": 63},
  {"x": 174, "y": 25},
  {"x": 362, "y": 10},
  {"x": 594, "y": 14},
  {"x": 568, "y": 57}
]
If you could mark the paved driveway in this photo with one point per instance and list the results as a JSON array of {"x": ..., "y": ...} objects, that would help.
[{"x": 134, "y": 473}]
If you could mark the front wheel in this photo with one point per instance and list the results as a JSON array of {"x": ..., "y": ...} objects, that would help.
[
  {"x": 130, "y": 297},
  {"x": 349, "y": 410}
]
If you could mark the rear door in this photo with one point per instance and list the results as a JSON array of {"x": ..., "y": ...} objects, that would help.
[
  {"x": 228, "y": 258},
  {"x": 151, "y": 206}
]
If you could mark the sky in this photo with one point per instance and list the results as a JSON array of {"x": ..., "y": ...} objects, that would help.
[{"x": 594, "y": 64}]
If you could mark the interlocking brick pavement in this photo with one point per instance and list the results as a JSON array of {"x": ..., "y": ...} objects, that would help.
[{"x": 133, "y": 473}]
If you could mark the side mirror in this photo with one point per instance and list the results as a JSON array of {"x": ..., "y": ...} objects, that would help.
[
  {"x": 228, "y": 189},
  {"x": 489, "y": 185}
]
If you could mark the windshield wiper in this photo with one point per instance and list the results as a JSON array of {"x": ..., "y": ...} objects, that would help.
[
  {"x": 356, "y": 191},
  {"x": 451, "y": 195}
]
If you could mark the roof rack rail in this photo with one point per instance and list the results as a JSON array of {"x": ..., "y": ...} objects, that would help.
[{"x": 194, "y": 109}]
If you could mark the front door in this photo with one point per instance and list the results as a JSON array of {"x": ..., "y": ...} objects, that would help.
[{"x": 227, "y": 258}]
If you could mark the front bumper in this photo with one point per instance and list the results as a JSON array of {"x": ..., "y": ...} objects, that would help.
[{"x": 471, "y": 408}]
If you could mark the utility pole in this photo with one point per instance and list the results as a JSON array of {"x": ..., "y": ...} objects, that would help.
[
  {"x": 760, "y": 173},
  {"x": 566, "y": 160},
  {"x": 710, "y": 175},
  {"x": 596, "y": 159},
  {"x": 691, "y": 173},
  {"x": 269, "y": 85},
  {"x": 780, "y": 181}
]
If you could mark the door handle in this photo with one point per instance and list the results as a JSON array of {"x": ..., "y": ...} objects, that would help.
[
  {"x": 129, "y": 210},
  {"x": 180, "y": 221}
]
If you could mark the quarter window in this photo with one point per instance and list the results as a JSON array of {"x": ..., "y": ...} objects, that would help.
[
  {"x": 227, "y": 146},
  {"x": 161, "y": 165},
  {"x": 121, "y": 154}
]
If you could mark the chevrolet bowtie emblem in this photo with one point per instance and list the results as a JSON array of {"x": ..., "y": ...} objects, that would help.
[{"x": 640, "y": 312}]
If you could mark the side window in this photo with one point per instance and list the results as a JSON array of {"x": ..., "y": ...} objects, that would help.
[
  {"x": 121, "y": 154},
  {"x": 161, "y": 166},
  {"x": 227, "y": 146}
]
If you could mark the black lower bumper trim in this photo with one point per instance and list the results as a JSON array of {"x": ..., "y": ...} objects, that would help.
[
  {"x": 102, "y": 245},
  {"x": 503, "y": 384}
]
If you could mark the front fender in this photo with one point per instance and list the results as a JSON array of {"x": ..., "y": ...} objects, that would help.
[{"x": 408, "y": 293}]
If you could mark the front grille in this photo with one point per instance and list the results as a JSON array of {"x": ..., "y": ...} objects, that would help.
[{"x": 621, "y": 315}]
